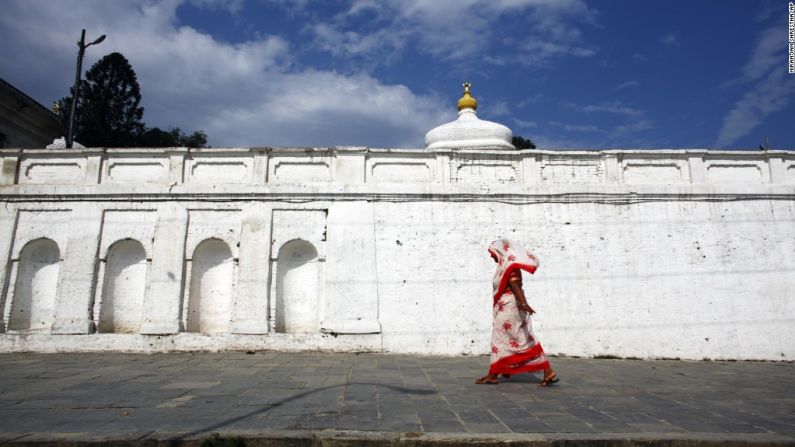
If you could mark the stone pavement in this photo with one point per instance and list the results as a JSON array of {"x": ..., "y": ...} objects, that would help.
[{"x": 277, "y": 398}]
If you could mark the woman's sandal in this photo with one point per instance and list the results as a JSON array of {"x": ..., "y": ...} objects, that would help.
[
  {"x": 553, "y": 378},
  {"x": 486, "y": 380}
]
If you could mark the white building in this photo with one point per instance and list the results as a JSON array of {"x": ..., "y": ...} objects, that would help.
[{"x": 668, "y": 253}]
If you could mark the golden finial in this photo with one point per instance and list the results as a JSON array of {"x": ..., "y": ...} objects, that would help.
[{"x": 467, "y": 101}]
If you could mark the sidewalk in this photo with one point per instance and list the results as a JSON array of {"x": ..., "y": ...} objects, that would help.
[{"x": 272, "y": 398}]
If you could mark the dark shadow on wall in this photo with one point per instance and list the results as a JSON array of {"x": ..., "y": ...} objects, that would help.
[
  {"x": 121, "y": 307},
  {"x": 33, "y": 303},
  {"x": 297, "y": 288},
  {"x": 211, "y": 288}
]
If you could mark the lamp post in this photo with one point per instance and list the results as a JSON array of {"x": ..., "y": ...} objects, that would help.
[{"x": 76, "y": 91}]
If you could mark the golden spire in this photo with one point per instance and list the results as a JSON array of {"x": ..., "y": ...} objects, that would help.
[{"x": 467, "y": 101}]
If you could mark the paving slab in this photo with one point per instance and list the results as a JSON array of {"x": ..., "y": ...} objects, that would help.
[{"x": 279, "y": 398}]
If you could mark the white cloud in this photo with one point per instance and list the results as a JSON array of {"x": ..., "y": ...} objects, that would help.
[
  {"x": 627, "y": 84},
  {"x": 770, "y": 10},
  {"x": 636, "y": 126},
  {"x": 532, "y": 99},
  {"x": 670, "y": 39},
  {"x": 599, "y": 140},
  {"x": 524, "y": 124},
  {"x": 580, "y": 128},
  {"x": 769, "y": 52},
  {"x": 457, "y": 29},
  {"x": 383, "y": 44},
  {"x": 771, "y": 88},
  {"x": 561, "y": 135},
  {"x": 627, "y": 132},
  {"x": 614, "y": 107},
  {"x": 233, "y": 6},
  {"x": 245, "y": 94},
  {"x": 770, "y": 95},
  {"x": 497, "y": 108},
  {"x": 315, "y": 108},
  {"x": 535, "y": 50}
]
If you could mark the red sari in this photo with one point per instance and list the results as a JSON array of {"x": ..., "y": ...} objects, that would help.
[{"x": 514, "y": 348}]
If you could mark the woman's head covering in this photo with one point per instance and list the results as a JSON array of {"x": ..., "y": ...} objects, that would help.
[{"x": 510, "y": 256}]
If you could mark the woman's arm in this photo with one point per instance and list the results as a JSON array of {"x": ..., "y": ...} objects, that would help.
[{"x": 515, "y": 284}]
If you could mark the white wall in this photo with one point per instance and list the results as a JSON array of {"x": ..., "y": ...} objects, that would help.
[
  {"x": 678, "y": 253},
  {"x": 212, "y": 280},
  {"x": 658, "y": 279}
]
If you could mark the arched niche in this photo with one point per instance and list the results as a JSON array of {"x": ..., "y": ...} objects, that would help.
[
  {"x": 297, "y": 288},
  {"x": 124, "y": 285},
  {"x": 33, "y": 302},
  {"x": 209, "y": 309}
]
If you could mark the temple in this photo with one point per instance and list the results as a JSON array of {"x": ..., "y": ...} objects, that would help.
[
  {"x": 469, "y": 131},
  {"x": 671, "y": 253}
]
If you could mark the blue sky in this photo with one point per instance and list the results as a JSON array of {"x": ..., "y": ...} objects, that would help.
[{"x": 565, "y": 73}]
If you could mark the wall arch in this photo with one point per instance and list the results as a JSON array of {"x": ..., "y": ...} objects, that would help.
[
  {"x": 209, "y": 307},
  {"x": 124, "y": 285},
  {"x": 33, "y": 302},
  {"x": 297, "y": 288}
]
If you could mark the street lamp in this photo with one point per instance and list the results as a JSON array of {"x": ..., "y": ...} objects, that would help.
[{"x": 76, "y": 91}]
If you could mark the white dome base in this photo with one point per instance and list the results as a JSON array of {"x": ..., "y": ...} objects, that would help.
[
  {"x": 480, "y": 143},
  {"x": 469, "y": 132}
]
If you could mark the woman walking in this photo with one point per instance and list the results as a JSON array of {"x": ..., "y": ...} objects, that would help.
[{"x": 514, "y": 348}]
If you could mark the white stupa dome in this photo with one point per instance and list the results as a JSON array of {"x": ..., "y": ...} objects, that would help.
[{"x": 469, "y": 131}]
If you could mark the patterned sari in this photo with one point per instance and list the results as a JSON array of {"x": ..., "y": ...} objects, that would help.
[{"x": 514, "y": 348}]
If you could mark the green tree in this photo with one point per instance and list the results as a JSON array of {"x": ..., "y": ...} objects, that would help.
[
  {"x": 522, "y": 143},
  {"x": 157, "y": 137},
  {"x": 196, "y": 139},
  {"x": 108, "y": 112}
]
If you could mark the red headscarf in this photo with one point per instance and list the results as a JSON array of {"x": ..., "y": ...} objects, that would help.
[{"x": 510, "y": 256}]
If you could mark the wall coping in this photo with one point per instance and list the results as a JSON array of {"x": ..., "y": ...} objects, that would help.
[{"x": 364, "y": 170}]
